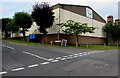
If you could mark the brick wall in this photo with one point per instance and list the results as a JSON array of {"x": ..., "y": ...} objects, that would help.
[
  {"x": 72, "y": 39},
  {"x": 111, "y": 42}
]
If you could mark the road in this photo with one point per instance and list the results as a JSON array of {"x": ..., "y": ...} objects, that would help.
[{"x": 33, "y": 60}]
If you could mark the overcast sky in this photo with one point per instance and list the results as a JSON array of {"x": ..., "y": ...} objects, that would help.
[{"x": 102, "y": 7}]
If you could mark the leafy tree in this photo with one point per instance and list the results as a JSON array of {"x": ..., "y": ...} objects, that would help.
[
  {"x": 76, "y": 28},
  {"x": 112, "y": 30},
  {"x": 4, "y": 26},
  {"x": 43, "y": 16},
  {"x": 23, "y": 20},
  {"x": 11, "y": 27}
]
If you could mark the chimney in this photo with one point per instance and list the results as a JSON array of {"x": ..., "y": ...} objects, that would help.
[
  {"x": 110, "y": 18},
  {"x": 117, "y": 21}
]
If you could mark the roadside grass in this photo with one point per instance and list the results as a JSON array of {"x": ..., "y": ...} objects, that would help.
[
  {"x": 104, "y": 47},
  {"x": 23, "y": 42}
]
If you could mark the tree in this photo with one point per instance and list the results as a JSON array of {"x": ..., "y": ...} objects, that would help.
[
  {"x": 112, "y": 30},
  {"x": 4, "y": 26},
  {"x": 43, "y": 16},
  {"x": 11, "y": 27},
  {"x": 23, "y": 20},
  {"x": 76, "y": 28}
]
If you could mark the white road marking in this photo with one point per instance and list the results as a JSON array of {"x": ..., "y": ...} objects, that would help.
[
  {"x": 63, "y": 59},
  {"x": 35, "y": 55},
  {"x": 8, "y": 47},
  {"x": 58, "y": 58},
  {"x": 45, "y": 63},
  {"x": 68, "y": 58},
  {"x": 17, "y": 69},
  {"x": 65, "y": 56},
  {"x": 89, "y": 53},
  {"x": 84, "y": 54},
  {"x": 75, "y": 56},
  {"x": 3, "y": 72},
  {"x": 33, "y": 65},
  {"x": 97, "y": 51},
  {"x": 80, "y": 55},
  {"x": 70, "y": 55},
  {"x": 55, "y": 60},
  {"x": 50, "y": 59}
]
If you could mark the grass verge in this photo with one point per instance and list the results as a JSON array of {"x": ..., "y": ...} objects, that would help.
[{"x": 104, "y": 47}]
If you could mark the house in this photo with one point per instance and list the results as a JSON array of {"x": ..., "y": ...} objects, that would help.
[{"x": 78, "y": 13}]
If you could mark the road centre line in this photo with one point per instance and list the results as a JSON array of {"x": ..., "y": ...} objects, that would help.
[
  {"x": 50, "y": 59},
  {"x": 75, "y": 54},
  {"x": 70, "y": 55},
  {"x": 63, "y": 59},
  {"x": 33, "y": 65},
  {"x": 84, "y": 52},
  {"x": 8, "y": 47},
  {"x": 35, "y": 55},
  {"x": 65, "y": 56},
  {"x": 58, "y": 58},
  {"x": 80, "y": 55},
  {"x": 55, "y": 60},
  {"x": 17, "y": 69},
  {"x": 45, "y": 63},
  {"x": 3, "y": 72}
]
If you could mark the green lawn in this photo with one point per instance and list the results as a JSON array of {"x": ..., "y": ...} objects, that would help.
[{"x": 68, "y": 46}]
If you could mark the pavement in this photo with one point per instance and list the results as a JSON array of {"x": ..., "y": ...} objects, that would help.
[{"x": 32, "y": 60}]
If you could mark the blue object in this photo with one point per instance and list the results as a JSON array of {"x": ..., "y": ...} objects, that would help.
[{"x": 32, "y": 36}]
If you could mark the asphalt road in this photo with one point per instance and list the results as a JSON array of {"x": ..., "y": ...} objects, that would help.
[{"x": 31, "y": 60}]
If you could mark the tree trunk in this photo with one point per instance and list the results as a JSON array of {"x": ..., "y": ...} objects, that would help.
[
  {"x": 24, "y": 35},
  {"x": 106, "y": 38},
  {"x": 12, "y": 34},
  {"x": 77, "y": 41},
  {"x": 44, "y": 34},
  {"x": 6, "y": 35},
  {"x": 114, "y": 40}
]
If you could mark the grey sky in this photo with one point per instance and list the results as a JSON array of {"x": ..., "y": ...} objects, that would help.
[{"x": 103, "y": 8}]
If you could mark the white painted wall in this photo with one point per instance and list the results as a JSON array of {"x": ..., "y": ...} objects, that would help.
[
  {"x": 67, "y": 15},
  {"x": 55, "y": 28}
]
